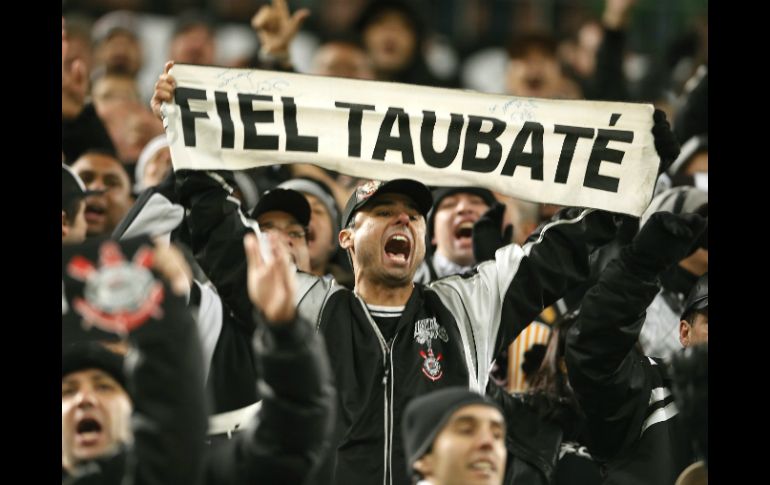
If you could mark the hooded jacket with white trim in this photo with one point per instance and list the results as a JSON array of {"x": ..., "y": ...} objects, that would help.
[
  {"x": 449, "y": 332},
  {"x": 632, "y": 419}
]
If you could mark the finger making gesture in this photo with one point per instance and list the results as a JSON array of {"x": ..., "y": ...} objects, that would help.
[
  {"x": 276, "y": 28},
  {"x": 74, "y": 80}
]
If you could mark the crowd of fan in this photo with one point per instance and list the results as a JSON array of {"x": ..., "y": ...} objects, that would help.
[{"x": 374, "y": 332}]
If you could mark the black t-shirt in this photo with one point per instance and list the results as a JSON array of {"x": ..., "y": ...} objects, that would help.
[{"x": 386, "y": 318}]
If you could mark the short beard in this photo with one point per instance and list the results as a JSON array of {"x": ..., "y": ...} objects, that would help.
[{"x": 390, "y": 281}]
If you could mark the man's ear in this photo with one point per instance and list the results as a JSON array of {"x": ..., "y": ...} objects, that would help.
[
  {"x": 346, "y": 238},
  {"x": 684, "y": 333},
  {"x": 65, "y": 227},
  {"x": 424, "y": 465}
]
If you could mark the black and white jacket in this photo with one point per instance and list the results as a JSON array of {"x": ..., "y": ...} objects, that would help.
[
  {"x": 626, "y": 396},
  {"x": 448, "y": 334}
]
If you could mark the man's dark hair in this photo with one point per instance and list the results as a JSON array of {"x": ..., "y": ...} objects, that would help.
[
  {"x": 692, "y": 314},
  {"x": 193, "y": 18},
  {"x": 522, "y": 44},
  {"x": 375, "y": 10},
  {"x": 72, "y": 208},
  {"x": 100, "y": 151}
]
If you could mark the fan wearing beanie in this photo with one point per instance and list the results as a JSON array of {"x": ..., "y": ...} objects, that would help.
[{"x": 454, "y": 436}]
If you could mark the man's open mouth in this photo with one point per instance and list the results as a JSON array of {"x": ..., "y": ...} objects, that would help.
[
  {"x": 398, "y": 248},
  {"x": 88, "y": 431},
  {"x": 464, "y": 229},
  {"x": 94, "y": 212},
  {"x": 535, "y": 83}
]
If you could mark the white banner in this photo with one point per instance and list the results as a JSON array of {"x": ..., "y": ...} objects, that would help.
[{"x": 574, "y": 153}]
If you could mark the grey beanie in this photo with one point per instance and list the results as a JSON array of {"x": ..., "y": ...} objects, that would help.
[{"x": 313, "y": 188}]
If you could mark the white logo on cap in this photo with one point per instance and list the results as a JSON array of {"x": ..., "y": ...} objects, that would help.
[{"x": 366, "y": 190}]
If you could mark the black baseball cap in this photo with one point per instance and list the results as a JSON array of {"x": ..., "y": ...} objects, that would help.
[
  {"x": 413, "y": 189},
  {"x": 698, "y": 299},
  {"x": 72, "y": 187},
  {"x": 284, "y": 200}
]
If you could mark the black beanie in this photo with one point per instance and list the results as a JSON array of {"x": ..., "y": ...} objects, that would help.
[
  {"x": 426, "y": 415},
  {"x": 92, "y": 355}
]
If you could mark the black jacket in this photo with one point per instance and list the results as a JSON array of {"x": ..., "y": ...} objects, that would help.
[
  {"x": 229, "y": 364},
  {"x": 280, "y": 445},
  {"x": 286, "y": 439},
  {"x": 539, "y": 450},
  {"x": 165, "y": 383},
  {"x": 449, "y": 332},
  {"x": 625, "y": 395}
]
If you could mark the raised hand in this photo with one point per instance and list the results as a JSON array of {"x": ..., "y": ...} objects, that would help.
[
  {"x": 666, "y": 144},
  {"x": 164, "y": 90},
  {"x": 74, "y": 81},
  {"x": 617, "y": 13},
  {"x": 276, "y": 28},
  {"x": 667, "y": 238},
  {"x": 270, "y": 280},
  {"x": 170, "y": 263}
]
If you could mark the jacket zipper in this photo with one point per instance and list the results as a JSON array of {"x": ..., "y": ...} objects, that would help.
[
  {"x": 390, "y": 420},
  {"x": 387, "y": 364}
]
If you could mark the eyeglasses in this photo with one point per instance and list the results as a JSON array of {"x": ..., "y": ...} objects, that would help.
[{"x": 292, "y": 233}]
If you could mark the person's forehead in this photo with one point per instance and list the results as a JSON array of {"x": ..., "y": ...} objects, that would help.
[
  {"x": 103, "y": 164},
  {"x": 341, "y": 49},
  {"x": 89, "y": 374},
  {"x": 197, "y": 30},
  {"x": 538, "y": 54},
  {"x": 391, "y": 16},
  {"x": 272, "y": 217},
  {"x": 458, "y": 195},
  {"x": 313, "y": 200},
  {"x": 478, "y": 412},
  {"x": 120, "y": 35}
]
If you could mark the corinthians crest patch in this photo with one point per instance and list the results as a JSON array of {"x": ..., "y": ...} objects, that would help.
[
  {"x": 425, "y": 332},
  {"x": 119, "y": 295},
  {"x": 431, "y": 365}
]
